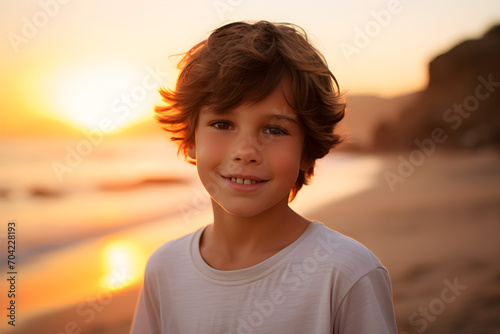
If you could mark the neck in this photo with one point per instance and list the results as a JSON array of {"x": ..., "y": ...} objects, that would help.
[{"x": 242, "y": 241}]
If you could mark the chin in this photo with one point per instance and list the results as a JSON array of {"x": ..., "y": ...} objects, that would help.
[
  {"x": 244, "y": 213},
  {"x": 251, "y": 207},
  {"x": 245, "y": 210}
]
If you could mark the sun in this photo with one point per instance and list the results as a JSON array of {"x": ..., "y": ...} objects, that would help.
[{"x": 91, "y": 94}]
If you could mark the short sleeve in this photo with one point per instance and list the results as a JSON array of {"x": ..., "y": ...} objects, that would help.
[
  {"x": 147, "y": 319},
  {"x": 367, "y": 307}
]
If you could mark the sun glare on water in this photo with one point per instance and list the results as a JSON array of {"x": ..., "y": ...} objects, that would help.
[
  {"x": 105, "y": 96},
  {"x": 123, "y": 263}
]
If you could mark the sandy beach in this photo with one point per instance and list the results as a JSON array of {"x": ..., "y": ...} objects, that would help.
[{"x": 437, "y": 233}]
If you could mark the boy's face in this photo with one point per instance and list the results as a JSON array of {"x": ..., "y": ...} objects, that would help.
[{"x": 249, "y": 158}]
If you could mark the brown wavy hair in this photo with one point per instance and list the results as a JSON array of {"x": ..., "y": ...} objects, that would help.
[{"x": 244, "y": 62}]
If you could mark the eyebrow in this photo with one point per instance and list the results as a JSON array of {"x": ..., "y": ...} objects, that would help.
[
  {"x": 282, "y": 117},
  {"x": 268, "y": 116}
]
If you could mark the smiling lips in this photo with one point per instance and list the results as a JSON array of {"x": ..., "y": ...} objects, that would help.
[{"x": 245, "y": 182}]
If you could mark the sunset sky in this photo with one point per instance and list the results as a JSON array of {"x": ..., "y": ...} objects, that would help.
[{"x": 97, "y": 64}]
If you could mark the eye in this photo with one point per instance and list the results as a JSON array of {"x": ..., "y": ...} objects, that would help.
[
  {"x": 221, "y": 125},
  {"x": 275, "y": 131}
]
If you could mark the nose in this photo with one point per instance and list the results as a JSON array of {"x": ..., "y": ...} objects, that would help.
[{"x": 247, "y": 150}]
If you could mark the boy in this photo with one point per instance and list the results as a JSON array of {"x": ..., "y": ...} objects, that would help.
[{"x": 254, "y": 106}]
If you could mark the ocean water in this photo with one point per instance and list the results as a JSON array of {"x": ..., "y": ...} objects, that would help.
[
  {"x": 87, "y": 221},
  {"x": 120, "y": 183}
]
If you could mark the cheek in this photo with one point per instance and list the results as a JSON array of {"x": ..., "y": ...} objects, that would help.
[
  {"x": 286, "y": 160},
  {"x": 210, "y": 149}
]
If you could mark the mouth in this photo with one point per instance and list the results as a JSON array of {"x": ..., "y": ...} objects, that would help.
[{"x": 246, "y": 180}]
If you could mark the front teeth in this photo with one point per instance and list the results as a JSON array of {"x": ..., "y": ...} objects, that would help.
[{"x": 243, "y": 181}]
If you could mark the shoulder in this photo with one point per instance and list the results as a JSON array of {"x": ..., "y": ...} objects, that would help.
[
  {"x": 170, "y": 254},
  {"x": 343, "y": 263},
  {"x": 344, "y": 255}
]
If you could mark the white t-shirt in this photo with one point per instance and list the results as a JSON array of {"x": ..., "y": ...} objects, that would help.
[{"x": 324, "y": 282}]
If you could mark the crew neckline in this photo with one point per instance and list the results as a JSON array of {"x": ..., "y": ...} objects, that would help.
[{"x": 245, "y": 275}]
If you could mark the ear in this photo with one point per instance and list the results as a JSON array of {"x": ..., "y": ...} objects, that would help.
[{"x": 192, "y": 152}]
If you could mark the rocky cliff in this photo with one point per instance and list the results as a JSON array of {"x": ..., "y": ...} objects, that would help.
[{"x": 460, "y": 108}]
